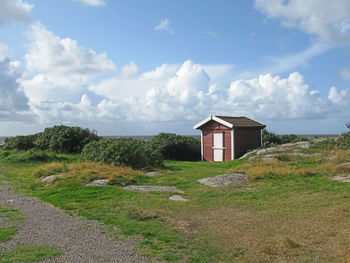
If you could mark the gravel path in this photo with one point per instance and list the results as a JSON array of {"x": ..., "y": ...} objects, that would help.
[{"x": 81, "y": 240}]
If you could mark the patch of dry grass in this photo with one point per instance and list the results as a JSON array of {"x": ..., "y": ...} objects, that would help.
[
  {"x": 85, "y": 172},
  {"x": 88, "y": 171},
  {"x": 49, "y": 169}
]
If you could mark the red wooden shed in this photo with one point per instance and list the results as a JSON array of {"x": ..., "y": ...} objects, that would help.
[{"x": 227, "y": 138}]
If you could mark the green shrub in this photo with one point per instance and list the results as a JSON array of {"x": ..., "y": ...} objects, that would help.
[
  {"x": 122, "y": 152},
  {"x": 270, "y": 138},
  {"x": 64, "y": 139},
  {"x": 341, "y": 143},
  {"x": 20, "y": 143},
  {"x": 176, "y": 147}
]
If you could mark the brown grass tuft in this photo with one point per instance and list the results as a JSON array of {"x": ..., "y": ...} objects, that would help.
[
  {"x": 49, "y": 169},
  {"x": 88, "y": 171}
]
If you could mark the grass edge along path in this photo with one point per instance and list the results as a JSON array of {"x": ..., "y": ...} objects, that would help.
[{"x": 21, "y": 252}]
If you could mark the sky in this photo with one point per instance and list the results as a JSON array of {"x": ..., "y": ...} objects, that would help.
[{"x": 135, "y": 67}]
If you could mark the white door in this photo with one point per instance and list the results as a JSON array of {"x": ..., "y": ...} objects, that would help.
[{"x": 218, "y": 147}]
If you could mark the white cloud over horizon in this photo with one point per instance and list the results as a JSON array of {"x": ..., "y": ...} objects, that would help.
[{"x": 66, "y": 83}]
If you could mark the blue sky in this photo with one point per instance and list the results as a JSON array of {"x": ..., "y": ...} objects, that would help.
[{"x": 144, "y": 67}]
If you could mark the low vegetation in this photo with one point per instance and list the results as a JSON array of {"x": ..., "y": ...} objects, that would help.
[
  {"x": 271, "y": 139},
  {"x": 28, "y": 253},
  {"x": 271, "y": 221},
  {"x": 53, "y": 143}
]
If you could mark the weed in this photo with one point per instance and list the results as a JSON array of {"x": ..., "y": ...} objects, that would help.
[
  {"x": 28, "y": 253},
  {"x": 6, "y": 233},
  {"x": 10, "y": 214}
]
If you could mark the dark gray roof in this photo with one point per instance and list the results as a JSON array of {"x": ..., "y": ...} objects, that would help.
[{"x": 241, "y": 121}]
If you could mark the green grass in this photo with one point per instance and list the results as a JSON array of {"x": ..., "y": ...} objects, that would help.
[
  {"x": 6, "y": 233},
  {"x": 27, "y": 253},
  {"x": 273, "y": 222}
]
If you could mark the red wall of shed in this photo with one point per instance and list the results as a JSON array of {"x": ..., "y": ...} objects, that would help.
[{"x": 208, "y": 130}]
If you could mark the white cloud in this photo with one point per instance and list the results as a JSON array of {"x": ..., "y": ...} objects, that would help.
[
  {"x": 5, "y": 51},
  {"x": 164, "y": 26},
  {"x": 59, "y": 69},
  {"x": 13, "y": 103},
  {"x": 192, "y": 90},
  {"x": 345, "y": 73},
  {"x": 272, "y": 97},
  {"x": 341, "y": 98},
  {"x": 328, "y": 20},
  {"x": 92, "y": 2},
  {"x": 129, "y": 70},
  {"x": 50, "y": 53},
  {"x": 58, "y": 74},
  {"x": 14, "y": 11}
]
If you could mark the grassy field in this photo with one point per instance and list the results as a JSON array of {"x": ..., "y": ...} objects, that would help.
[{"x": 293, "y": 211}]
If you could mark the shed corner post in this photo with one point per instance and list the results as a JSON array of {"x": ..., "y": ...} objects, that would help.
[
  {"x": 261, "y": 138},
  {"x": 202, "y": 157},
  {"x": 232, "y": 144}
]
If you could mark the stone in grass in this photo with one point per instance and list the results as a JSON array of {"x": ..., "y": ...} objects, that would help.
[
  {"x": 99, "y": 182},
  {"x": 151, "y": 174},
  {"x": 342, "y": 178},
  {"x": 50, "y": 178},
  {"x": 153, "y": 188},
  {"x": 177, "y": 198},
  {"x": 225, "y": 180}
]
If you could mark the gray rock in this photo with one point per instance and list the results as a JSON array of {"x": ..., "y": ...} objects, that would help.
[
  {"x": 225, "y": 180},
  {"x": 49, "y": 179},
  {"x": 5, "y": 182},
  {"x": 100, "y": 182},
  {"x": 284, "y": 147},
  {"x": 342, "y": 178},
  {"x": 177, "y": 198},
  {"x": 302, "y": 145},
  {"x": 249, "y": 153},
  {"x": 153, "y": 188},
  {"x": 151, "y": 174}
]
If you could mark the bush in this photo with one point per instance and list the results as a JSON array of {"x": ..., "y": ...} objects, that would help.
[
  {"x": 20, "y": 143},
  {"x": 270, "y": 138},
  {"x": 122, "y": 152},
  {"x": 176, "y": 147},
  {"x": 64, "y": 139},
  {"x": 342, "y": 143}
]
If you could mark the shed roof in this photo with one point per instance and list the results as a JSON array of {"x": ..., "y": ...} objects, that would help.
[{"x": 231, "y": 122}]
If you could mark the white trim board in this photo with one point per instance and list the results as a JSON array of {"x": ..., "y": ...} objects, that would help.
[
  {"x": 214, "y": 118},
  {"x": 232, "y": 144}
]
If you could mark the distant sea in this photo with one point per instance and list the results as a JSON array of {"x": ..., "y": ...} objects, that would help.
[{"x": 149, "y": 137}]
